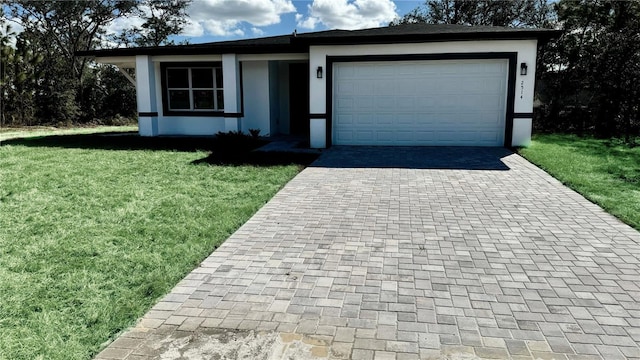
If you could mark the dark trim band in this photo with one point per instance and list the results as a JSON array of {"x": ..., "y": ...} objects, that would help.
[
  {"x": 233, "y": 115},
  {"x": 317, "y": 116},
  {"x": 511, "y": 57},
  {"x": 215, "y": 114},
  {"x": 523, "y": 115},
  {"x": 148, "y": 114}
]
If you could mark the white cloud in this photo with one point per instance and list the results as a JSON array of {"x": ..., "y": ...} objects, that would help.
[
  {"x": 348, "y": 14},
  {"x": 226, "y": 17},
  {"x": 308, "y": 23},
  {"x": 119, "y": 24},
  {"x": 220, "y": 17},
  {"x": 15, "y": 29},
  {"x": 192, "y": 29}
]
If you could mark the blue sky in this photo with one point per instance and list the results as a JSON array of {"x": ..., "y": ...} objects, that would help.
[{"x": 217, "y": 20}]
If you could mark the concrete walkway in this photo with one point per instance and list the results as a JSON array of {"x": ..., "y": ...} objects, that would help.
[{"x": 410, "y": 253}]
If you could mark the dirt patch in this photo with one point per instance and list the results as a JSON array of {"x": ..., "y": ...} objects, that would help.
[{"x": 236, "y": 344}]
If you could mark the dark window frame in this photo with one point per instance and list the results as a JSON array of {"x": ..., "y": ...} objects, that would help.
[{"x": 189, "y": 65}]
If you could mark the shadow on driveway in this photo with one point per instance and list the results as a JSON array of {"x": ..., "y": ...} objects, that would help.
[{"x": 415, "y": 157}]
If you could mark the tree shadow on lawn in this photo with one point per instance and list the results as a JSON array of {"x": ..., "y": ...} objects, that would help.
[
  {"x": 257, "y": 158},
  {"x": 237, "y": 152},
  {"x": 117, "y": 141}
]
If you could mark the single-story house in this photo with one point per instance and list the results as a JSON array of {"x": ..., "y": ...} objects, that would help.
[{"x": 415, "y": 84}]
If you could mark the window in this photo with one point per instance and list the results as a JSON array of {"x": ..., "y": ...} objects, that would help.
[{"x": 193, "y": 88}]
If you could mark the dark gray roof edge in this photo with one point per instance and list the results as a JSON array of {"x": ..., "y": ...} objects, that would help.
[
  {"x": 272, "y": 44},
  {"x": 181, "y": 50},
  {"x": 301, "y": 42},
  {"x": 542, "y": 35}
]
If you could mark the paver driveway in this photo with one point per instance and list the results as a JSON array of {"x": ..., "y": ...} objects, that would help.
[{"x": 409, "y": 253}]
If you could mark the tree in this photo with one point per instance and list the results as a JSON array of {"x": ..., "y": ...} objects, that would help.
[
  {"x": 515, "y": 13},
  {"x": 595, "y": 83},
  {"x": 162, "y": 19},
  {"x": 58, "y": 29},
  {"x": 6, "y": 57}
]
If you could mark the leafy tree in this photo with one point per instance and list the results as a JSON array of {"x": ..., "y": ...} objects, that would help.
[
  {"x": 163, "y": 18},
  {"x": 69, "y": 26},
  {"x": 6, "y": 57},
  {"x": 515, "y": 13},
  {"x": 69, "y": 87},
  {"x": 594, "y": 85},
  {"x": 26, "y": 70}
]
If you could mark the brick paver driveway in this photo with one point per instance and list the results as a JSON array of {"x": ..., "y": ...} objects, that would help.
[{"x": 410, "y": 253}]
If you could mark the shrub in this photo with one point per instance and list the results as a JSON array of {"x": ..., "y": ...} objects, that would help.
[
  {"x": 255, "y": 133},
  {"x": 237, "y": 141}
]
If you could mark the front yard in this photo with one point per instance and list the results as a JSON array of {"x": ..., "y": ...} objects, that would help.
[
  {"x": 606, "y": 172},
  {"x": 91, "y": 235}
]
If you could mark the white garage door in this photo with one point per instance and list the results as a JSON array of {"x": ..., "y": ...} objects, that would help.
[{"x": 452, "y": 102}]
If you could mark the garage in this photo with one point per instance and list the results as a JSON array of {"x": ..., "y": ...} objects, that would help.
[{"x": 423, "y": 102}]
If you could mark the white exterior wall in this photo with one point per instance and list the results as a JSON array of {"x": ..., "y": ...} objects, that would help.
[
  {"x": 255, "y": 79},
  {"x": 193, "y": 125},
  {"x": 523, "y": 101},
  {"x": 185, "y": 125},
  {"x": 190, "y": 125},
  {"x": 231, "y": 85},
  {"x": 522, "y": 132},
  {"x": 145, "y": 95}
]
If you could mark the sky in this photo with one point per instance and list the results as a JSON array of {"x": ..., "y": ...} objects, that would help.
[{"x": 218, "y": 20}]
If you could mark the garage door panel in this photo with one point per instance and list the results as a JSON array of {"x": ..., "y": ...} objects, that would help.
[
  {"x": 385, "y": 103},
  {"x": 365, "y": 120},
  {"x": 403, "y": 102},
  {"x": 458, "y": 102},
  {"x": 345, "y": 119},
  {"x": 385, "y": 135},
  {"x": 453, "y": 136},
  {"x": 365, "y": 136},
  {"x": 405, "y": 119},
  {"x": 364, "y": 102},
  {"x": 344, "y": 105},
  {"x": 384, "y": 119}
]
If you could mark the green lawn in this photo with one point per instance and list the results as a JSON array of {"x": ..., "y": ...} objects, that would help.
[
  {"x": 7, "y": 133},
  {"x": 606, "y": 172},
  {"x": 95, "y": 229}
]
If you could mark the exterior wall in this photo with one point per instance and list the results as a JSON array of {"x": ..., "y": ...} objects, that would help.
[
  {"x": 149, "y": 93},
  {"x": 522, "y": 132},
  {"x": 266, "y": 97},
  {"x": 146, "y": 85},
  {"x": 255, "y": 79},
  {"x": 232, "y": 93},
  {"x": 522, "y": 102},
  {"x": 190, "y": 125}
]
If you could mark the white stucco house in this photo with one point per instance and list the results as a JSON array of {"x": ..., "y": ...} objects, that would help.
[{"x": 416, "y": 84}]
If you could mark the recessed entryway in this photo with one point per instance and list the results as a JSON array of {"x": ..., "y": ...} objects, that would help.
[{"x": 299, "y": 99}]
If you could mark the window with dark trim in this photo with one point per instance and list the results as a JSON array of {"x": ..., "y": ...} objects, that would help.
[{"x": 194, "y": 88}]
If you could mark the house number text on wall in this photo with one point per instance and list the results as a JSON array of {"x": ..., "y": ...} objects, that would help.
[{"x": 521, "y": 89}]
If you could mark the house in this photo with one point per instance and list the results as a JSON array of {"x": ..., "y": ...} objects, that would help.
[{"x": 415, "y": 84}]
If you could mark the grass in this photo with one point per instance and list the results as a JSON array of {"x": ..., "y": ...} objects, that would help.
[
  {"x": 8, "y": 133},
  {"x": 95, "y": 229},
  {"x": 606, "y": 172}
]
